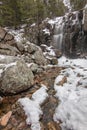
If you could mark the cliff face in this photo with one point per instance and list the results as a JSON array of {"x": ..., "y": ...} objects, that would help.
[
  {"x": 75, "y": 33},
  {"x": 67, "y": 33}
]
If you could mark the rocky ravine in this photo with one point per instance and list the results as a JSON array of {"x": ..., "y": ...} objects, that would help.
[
  {"x": 27, "y": 76},
  {"x": 67, "y": 33},
  {"x": 25, "y": 70},
  {"x": 22, "y": 71}
]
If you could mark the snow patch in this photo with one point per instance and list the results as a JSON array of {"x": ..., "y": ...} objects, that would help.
[
  {"x": 46, "y": 31},
  {"x": 63, "y": 61},
  {"x": 2, "y": 56},
  {"x": 72, "y": 109},
  {"x": 18, "y": 34},
  {"x": 57, "y": 20},
  {"x": 33, "y": 24},
  {"x": 32, "y": 107}
]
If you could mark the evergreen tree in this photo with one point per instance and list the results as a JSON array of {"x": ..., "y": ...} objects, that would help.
[
  {"x": 56, "y": 8},
  {"x": 14, "y": 12},
  {"x": 10, "y": 13}
]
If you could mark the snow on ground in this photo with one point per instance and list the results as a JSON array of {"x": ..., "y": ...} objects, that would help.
[
  {"x": 2, "y": 56},
  {"x": 32, "y": 107},
  {"x": 49, "y": 51},
  {"x": 63, "y": 61},
  {"x": 57, "y": 20},
  {"x": 46, "y": 31},
  {"x": 18, "y": 34},
  {"x": 72, "y": 109}
]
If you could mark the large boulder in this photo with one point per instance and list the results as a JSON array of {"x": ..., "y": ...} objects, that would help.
[
  {"x": 39, "y": 58},
  {"x": 16, "y": 78},
  {"x": 39, "y": 34},
  {"x": 36, "y": 53},
  {"x": 31, "y": 48},
  {"x": 75, "y": 34}
]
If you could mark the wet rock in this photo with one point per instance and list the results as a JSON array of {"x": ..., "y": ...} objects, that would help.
[
  {"x": 16, "y": 78},
  {"x": 52, "y": 60}
]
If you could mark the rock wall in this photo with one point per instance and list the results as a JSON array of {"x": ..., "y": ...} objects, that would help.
[
  {"x": 39, "y": 34},
  {"x": 71, "y": 39},
  {"x": 19, "y": 62},
  {"x": 75, "y": 34}
]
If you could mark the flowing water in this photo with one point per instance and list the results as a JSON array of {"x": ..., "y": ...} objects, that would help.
[{"x": 58, "y": 34}]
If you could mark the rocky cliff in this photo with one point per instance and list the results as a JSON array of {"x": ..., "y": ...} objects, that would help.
[{"x": 67, "y": 33}]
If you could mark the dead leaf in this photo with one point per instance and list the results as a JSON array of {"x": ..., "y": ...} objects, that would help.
[{"x": 4, "y": 120}]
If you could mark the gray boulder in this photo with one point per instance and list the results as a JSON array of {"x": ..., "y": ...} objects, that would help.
[
  {"x": 6, "y": 49},
  {"x": 39, "y": 58},
  {"x": 31, "y": 48},
  {"x": 20, "y": 46},
  {"x": 16, "y": 78},
  {"x": 36, "y": 53}
]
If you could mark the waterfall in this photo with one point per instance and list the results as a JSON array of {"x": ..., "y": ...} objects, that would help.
[
  {"x": 58, "y": 35},
  {"x": 58, "y": 41}
]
